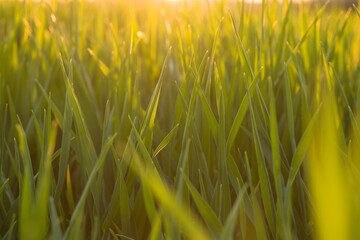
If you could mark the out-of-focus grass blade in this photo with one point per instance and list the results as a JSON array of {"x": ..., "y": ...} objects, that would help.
[
  {"x": 56, "y": 233},
  {"x": 25, "y": 156},
  {"x": 69, "y": 191},
  {"x": 281, "y": 39},
  {"x": 212, "y": 122},
  {"x": 205, "y": 210},
  {"x": 290, "y": 111},
  {"x": 103, "y": 68},
  {"x": 357, "y": 10},
  {"x": 10, "y": 234},
  {"x": 156, "y": 228},
  {"x": 27, "y": 230},
  {"x": 2, "y": 188},
  {"x": 176, "y": 209},
  {"x": 259, "y": 221},
  {"x": 44, "y": 181},
  {"x": 303, "y": 38},
  {"x": 182, "y": 167},
  {"x": 165, "y": 141},
  {"x": 328, "y": 182},
  {"x": 149, "y": 204},
  {"x": 227, "y": 232},
  {"x": 34, "y": 202},
  {"x": 125, "y": 212},
  {"x": 276, "y": 159},
  {"x": 302, "y": 148}
]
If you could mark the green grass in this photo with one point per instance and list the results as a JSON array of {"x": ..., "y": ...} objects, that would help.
[{"x": 179, "y": 121}]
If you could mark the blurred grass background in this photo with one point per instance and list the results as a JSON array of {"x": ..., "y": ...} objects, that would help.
[{"x": 190, "y": 120}]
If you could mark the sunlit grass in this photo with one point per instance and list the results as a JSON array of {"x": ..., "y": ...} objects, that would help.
[{"x": 122, "y": 120}]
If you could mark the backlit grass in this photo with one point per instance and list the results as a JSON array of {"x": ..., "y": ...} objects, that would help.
[{"x": 179, "y": 120}]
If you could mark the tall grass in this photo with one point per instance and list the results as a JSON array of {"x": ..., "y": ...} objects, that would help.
[{"x": 188, "y": 120}]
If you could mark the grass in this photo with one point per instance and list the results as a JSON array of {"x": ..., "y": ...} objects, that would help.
[{"x": 187, "y": 120}]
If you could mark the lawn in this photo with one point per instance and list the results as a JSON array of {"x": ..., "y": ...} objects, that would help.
[{"x": 189, "y": 120}]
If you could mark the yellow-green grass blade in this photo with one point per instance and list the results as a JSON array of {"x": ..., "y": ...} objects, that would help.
[
  {"x": 357, "y": 10},
  {"x": 212, "y": 122},
  {"x": 239, "y": 117},
  {"x": 56, "y": 232},
  {"x": 167, "y": 139},
  {"x": 26, "y": 160},
  {"x": 229, "y": 226},
  {"x": 303, "y": 38},
  {"x": 267, "y": 198},
  {"x": 276, "y": 161},
  {"x": 156, "y": 228},
  {"x": 165, "y": 197},
  {"x": 149, "y": 119},
  {"x": 302, "y": 148},
  {"x": 241, "y": 49},
  {"x": 328, "y": 182},
  {"x": 207, "y": 213}
]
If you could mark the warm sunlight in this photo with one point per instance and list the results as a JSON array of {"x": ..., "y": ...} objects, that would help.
[{"x": 179, "y": 119}]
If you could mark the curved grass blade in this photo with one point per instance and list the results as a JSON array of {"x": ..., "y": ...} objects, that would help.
[
  {"x": 78, "y": 211},
  {"x": 302, "y": 148},
  {"x": 165, "y": 141},
  {"x": 205, "y": 210},
  {"x": 227, "y": 232},
  {"x": 235, "y": 127}
]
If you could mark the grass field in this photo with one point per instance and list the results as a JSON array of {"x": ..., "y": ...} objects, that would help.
[{"x": 179, "y": 120}]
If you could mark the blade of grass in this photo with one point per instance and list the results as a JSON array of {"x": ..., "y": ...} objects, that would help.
[
  {"x": 205, "y": 210},
  {"x": 302, "y": 148},
  {"x": 167, "y": 139},
  {"x": 227, "y": 232}
]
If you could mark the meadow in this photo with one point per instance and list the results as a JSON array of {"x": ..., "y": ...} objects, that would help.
[{"x": 189, "y": 120}]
